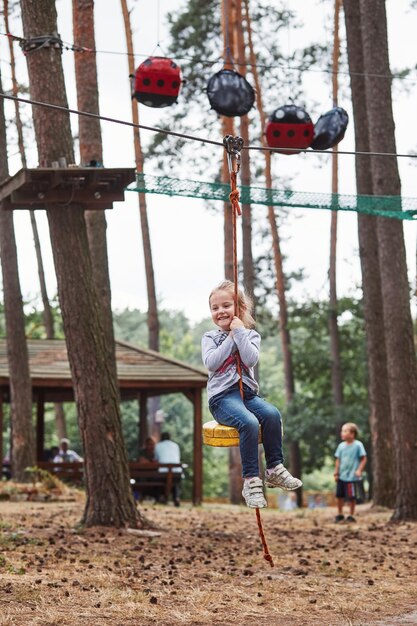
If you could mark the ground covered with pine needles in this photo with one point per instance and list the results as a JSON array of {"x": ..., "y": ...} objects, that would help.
[{"x": 204, "y": 566}]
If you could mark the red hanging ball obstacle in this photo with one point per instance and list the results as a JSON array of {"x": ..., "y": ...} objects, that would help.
[
  {"x": 289, "y": 126},
  {"x": 157, "y": 82}
]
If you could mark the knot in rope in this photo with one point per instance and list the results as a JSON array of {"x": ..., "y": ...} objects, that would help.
[{"x": 234, "y": 199}]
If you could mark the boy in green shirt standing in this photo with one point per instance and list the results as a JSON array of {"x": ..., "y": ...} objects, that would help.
[{"x": 350, "y": 461}]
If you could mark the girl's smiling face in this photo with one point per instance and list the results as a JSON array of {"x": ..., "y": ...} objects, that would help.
[{"x": 222, "y": 308}]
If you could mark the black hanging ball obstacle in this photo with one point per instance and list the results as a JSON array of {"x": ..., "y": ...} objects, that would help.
[{"x": 230, "y": 94}]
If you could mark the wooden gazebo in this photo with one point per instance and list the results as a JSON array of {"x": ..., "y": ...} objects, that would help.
[{"x": 141, "y": 373}]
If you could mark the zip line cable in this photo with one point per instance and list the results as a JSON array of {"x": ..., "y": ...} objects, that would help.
[
  {"x": 113, "y": 120},
  {"x": 194, "y": 137},
  {"x": 263, "y": 66}
]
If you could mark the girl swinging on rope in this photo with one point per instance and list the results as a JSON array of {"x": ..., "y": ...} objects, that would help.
[{"x": 230, "y": 354}]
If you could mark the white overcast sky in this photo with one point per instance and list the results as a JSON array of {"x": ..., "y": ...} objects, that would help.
[{"x": 187, "y": 240}]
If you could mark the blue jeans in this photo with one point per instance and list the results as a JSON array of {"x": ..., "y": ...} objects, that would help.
[{"x": 228, "y": 408}]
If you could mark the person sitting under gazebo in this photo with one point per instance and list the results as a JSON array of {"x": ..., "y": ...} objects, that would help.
[{"x": 65, "y": 455}]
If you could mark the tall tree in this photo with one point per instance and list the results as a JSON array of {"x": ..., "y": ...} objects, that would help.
[
  {"x": 153, "y": 320},
  {"x": 23, "y": 439},
  {"x": 337, "y": 383},
  {"x": 60, "y": 420},
  {"x": 245, "y": 173},
  {"x": 109, "y": 497},
  {"x": 398, "y": 327},
  {"x": 228, "y": 21},
  {"x": 228, "y": 128},
  {"x": 383, "y": 473},
  {"x": 152, "y": 317},
  {"x": 295, "y": 453},
  {"x": 91, "y": 153}
]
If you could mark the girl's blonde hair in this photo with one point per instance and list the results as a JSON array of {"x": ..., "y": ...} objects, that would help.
[{"x": 244, "y": 302}]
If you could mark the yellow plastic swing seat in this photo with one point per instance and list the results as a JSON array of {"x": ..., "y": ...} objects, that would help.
[{"x": 217, "y": 435}]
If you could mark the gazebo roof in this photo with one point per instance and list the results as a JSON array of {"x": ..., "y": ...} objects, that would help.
[{"x": 138, "y": 370}]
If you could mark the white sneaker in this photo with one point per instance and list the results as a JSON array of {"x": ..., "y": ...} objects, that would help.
[
  {"x": 280, "y": 477},
  {"x": 254, "y": 494}
]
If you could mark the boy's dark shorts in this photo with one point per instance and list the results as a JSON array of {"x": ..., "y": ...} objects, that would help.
[{"x": 350, "y": 490}]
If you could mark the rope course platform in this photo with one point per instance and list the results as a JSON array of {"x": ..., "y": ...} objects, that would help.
[
  {"x": 396, "y": 207},
  {"x": 93, "y": 188}
]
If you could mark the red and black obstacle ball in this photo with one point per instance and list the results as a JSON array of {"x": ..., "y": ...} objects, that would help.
[
  {"x": 230, "y": 94},
  {"x": 330, "y": 129},
  {"x": 157, "y": 82},
  {"x": 289, "y": 126}
]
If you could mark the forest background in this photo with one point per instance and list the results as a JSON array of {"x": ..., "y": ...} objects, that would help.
[{"x": 181, "y": 327}]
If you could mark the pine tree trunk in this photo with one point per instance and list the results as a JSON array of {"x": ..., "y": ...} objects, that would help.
[
  {"x": 245, "y": 177},
  {"x": 336, "y": 367},
  {"x": 23, "y": 438},
  {"x": 154, "y": 403},
  {"x": 60, "y": 422},
  {"x": 19, "y": 126},
  {"x": 276, "y": 244},
  {"x": 91, "y": 151},
  {"x": 401, "y": 358},
  {"x": 153, "y": 320},
  {"x": 48, "y": 319},
  {"x": 228, "y": 128},
  {"x": 295, "y": 455},
  {"x": 109, "y": 497},
  {"x": 60, "y": 419},
  {"x": 383, "y": 473}
]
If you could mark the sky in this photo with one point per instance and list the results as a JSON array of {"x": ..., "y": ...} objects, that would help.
[{"x": 186, "y": 238}]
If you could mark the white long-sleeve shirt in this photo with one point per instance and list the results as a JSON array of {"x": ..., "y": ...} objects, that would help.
[{"x": 219, "y": 351}]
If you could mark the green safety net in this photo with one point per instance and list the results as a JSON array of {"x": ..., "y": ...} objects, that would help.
[{"x": 386, "y": 206}]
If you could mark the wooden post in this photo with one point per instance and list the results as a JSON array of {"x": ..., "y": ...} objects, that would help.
[
  {"x": 1, "y": 429},
  {"x": 40, "y": 425},
  {"x": 198, "y": 449},
  {"x": 143, "y": 420}
]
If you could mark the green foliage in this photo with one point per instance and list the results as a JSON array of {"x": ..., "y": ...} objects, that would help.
[
  {"x": 312, "y": 418},
  {"x": 130, "y": 325},
  {"x": 321, "y": 479},
  {"x": 34, "y": 322}
]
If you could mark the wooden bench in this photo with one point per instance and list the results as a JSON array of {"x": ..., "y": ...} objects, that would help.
[
  {"x": 144, "y": 477},
  {"x": 153, "y": 478},
  {"x": 72, "y": 472}
]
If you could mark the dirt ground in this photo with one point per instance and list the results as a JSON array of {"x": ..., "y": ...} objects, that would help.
[{"x": 205, "y": 567}]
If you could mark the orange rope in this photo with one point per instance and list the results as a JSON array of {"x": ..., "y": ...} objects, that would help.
[
  {"x": 234, "y": 199},
  {"x": 236, "y": 210},
  {"x": 267, "y": 556}
]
